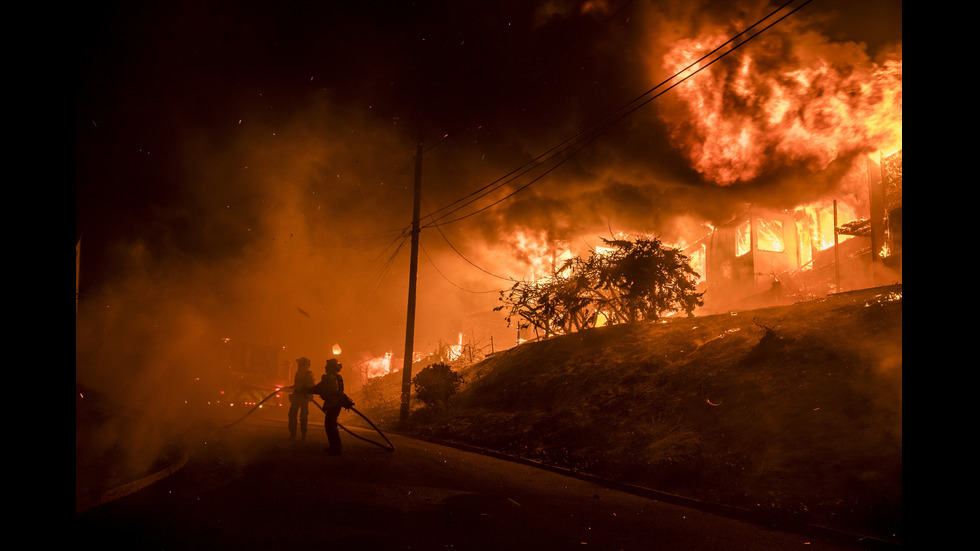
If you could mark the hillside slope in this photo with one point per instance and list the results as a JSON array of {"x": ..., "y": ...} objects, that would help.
[{"x": 790, "y": 410}]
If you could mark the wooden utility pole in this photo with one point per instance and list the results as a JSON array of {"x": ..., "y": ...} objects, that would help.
[
  {"x": 412, "y": 276},
  {"x": 78, "y": 260}
]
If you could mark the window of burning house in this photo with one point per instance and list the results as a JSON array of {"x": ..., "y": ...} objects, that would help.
[
  {"x": 771, "y": 236},
  {"x": 743, "y": 238},
  {"x": 821, "y": 228}
]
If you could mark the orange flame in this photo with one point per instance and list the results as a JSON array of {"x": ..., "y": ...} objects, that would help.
[
  {"x": 540, "y": 254},
  {"x": 810, "y": 103},
  {"x": 376, "y": 367}
]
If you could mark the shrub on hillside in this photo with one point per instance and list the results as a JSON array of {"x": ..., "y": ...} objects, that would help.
[{"x": 436, "y": 384}]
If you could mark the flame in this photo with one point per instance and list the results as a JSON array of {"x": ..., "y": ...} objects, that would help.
[
  {"x": 771, "y": 236},
  {"x": 377, "y": 367},
  {"x": 540, "y": 254},
  {"x": 601, "y": 319},
  {"x": 456, "y": 350},
  {"x": 797, "y": 99}
]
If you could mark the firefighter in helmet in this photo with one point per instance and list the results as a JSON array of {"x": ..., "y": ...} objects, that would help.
[
  {"x": 331, "y": 390},
  {"x": 299, "y": 400}
]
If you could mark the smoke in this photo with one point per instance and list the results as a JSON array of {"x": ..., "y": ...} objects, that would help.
[{"x": 274, "y": 220}]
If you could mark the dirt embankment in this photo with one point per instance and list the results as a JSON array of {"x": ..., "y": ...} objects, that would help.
[{"x": 790, "y": 410}]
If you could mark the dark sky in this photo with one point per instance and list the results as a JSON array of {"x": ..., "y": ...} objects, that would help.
[{"x": 244, "y": 169}]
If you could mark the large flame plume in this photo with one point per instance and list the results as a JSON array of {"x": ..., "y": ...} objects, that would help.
[{"x": 791, "y": 99}]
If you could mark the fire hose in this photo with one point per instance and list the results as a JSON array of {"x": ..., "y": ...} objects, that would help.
[{"x": 388, "y": 446}]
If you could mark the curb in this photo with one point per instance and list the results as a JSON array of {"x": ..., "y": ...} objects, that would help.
[{"x": 135, "y": 486}]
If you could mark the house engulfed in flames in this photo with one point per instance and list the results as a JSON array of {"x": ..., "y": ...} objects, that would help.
[{"x": 764, "y": 257}]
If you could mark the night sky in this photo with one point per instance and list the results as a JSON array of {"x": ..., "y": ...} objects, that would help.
[{"x": 244, "y": 170}]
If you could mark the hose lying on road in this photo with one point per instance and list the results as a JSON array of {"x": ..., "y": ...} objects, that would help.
[{"x": 388, "y": 446}]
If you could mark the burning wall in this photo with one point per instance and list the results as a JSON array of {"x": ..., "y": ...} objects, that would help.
[{"x": 766, "y": 256}]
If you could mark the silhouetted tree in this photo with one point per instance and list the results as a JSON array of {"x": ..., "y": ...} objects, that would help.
[
  {"x": 557, "y": 305},
  {"x": 436, "y": 384},
  {"x": 523, "y": 299},
  {"x": 572, "y": 289},
  {"x": 643, "y": 280},
  {"x": 637, "y": 280}
]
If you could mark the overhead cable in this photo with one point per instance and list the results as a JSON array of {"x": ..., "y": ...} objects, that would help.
[
  {"x": 451, "y": 282},
  {"x": 470, "y": 262},
  {"x": 591, "y": 133},
  {"x": 618, "y": 10}
]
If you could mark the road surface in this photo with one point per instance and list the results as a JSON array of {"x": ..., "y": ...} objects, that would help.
[{"x": 248, "y": 487}]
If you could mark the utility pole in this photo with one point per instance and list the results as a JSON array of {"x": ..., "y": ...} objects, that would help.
[
  {"x": 78, "y": 259},
  {"x": 412, "y": 276}
]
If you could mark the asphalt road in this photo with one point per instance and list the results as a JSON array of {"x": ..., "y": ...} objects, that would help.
[{"x": 248, "y": 487}]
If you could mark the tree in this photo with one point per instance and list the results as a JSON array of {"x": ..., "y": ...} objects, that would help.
[
  {"x": 436, "y": 384},
  {"x": 521, "y": 298},
  {"x": 556, "y": 305},
  {"x": 643, "y": 280},
  {"x": 638, "y": 280},
  {"x": 572, "y": 293}
]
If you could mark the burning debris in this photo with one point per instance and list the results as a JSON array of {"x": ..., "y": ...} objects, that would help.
[{"x": 884, "y": 298}]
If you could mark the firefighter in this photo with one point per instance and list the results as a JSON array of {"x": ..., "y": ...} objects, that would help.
[
  {"x": 331, "y": 390},
  {"x": 299, "y": 400}
]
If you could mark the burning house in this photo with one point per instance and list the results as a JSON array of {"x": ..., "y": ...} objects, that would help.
[{"x": 765, "y": 257}]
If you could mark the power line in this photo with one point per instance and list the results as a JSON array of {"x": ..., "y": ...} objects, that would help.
[
  {"x": 578, "y": 141},
  {"x": 519, "y": 189},
  {"x": 453, "y": 247},
  {"x": 401, "y": 235},
  {"x": 526, "y": 85},
  {"x": 391, "y": 259},
  {"x": 591, "y": 133},
  {"x": 451, "y": 282},
  {"x": 604, "y": 123}
]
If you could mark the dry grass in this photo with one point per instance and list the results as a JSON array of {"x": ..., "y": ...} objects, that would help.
[{"x": 794, "y": 409}]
